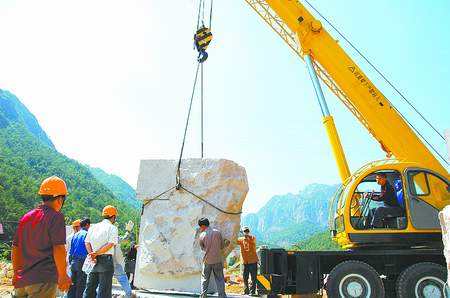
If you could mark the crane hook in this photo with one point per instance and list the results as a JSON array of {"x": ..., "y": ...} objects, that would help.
[{"x": 202, "y": 38}]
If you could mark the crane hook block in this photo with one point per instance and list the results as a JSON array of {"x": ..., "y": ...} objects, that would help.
[{"x": 202, "y": 38}]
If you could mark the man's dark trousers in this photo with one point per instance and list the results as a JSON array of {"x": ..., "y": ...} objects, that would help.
[
  {"x": 250, "y": 270},
  {"x": 380, "y": 213},
  {"x": 101, "y": 276},
  {"x": 78, "y": 278}
]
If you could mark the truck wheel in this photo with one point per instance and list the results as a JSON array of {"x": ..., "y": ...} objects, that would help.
[
  {"x": 422, "y": 280},
  {"x": 354, "y": 279}
]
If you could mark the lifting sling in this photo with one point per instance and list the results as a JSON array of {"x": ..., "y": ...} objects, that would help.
[{"x": 202, "y": 39}]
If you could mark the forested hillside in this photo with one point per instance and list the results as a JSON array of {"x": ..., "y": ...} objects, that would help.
[
  {"x": 27, "y": 156},
  {"x": 121, "y": 189},
  {"x": 319, "y": 241}
]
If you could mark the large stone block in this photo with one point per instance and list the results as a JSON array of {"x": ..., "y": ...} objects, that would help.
[
  {"x": 444, "y": 220},
  {"x": 169, "y": 256}
]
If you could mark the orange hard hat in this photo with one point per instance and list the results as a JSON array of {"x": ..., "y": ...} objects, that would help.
[
  {"x": 76, "y": 223},
  {"x": 53, "y": 186},
  {"x": 109, "y": 211}
]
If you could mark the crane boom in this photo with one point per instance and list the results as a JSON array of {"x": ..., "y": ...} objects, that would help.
[
  {"x": 420, "y": 180},
  {"x": 305, "y": 35}
]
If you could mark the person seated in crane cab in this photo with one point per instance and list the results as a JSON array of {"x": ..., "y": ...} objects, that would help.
[{"x": 389, "y": 198}]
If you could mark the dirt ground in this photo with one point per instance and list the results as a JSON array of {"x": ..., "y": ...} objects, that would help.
[
  {"x": 236, "y": 288},
  {"x": 5, "y": 279},
  {"x": 6, "y": 290}
]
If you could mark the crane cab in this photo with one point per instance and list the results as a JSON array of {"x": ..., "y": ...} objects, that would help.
[{"x": 419, "y": 194}]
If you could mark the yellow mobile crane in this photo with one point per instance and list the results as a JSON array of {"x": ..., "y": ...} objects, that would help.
[{"x": 406, "y": 248}]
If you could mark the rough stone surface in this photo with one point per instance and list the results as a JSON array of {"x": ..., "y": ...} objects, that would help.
[
  {"x": 169, "y": 256},
  {"x": 444, "y": 220}
]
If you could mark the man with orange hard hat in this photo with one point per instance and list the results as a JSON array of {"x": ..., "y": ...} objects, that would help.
[
  {"x": 76, "y": 225},
  {"x": 76, "y": 228},
  {"x": 39, "y": 252},
  {"x": 100, "y": 242},
  {"x": 249, "y": 258}
]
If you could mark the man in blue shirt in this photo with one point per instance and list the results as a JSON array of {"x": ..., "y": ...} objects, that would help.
[{"x": 77, "y": 255}]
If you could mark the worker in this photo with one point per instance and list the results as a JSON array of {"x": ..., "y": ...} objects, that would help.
[
  {"x": 119, "y": 262},
  {"x": 75, "y": 227},
  {"x": 39, "y": 252},
  {"x": 130, "y": 262},
  {"x": 249, "y": 259},
  {"x": 389, "y": 198},
  {"x": 100, "y": 241},
  {"x": 211, "y": 243},
  {"x": 77, "y": 256}
]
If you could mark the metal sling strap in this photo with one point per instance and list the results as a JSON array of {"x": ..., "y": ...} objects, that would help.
[{"x": 182, "y": 188}]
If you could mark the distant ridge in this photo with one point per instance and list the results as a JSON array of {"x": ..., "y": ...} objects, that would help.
[
  {"x": 121, "y": 189},
  {"x": 288, "y": 219},
  {"x": 13, "y": 111}
]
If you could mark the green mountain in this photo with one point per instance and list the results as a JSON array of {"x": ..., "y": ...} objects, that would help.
[
  {"x": 293, "y": 233},
  {"x": 13, "y": 111},
  {"x": 121, "y": 189},
  {"x": 27, "y": 156},
  {"x": 319, "y": 241},
  {"x": 287, "y": 219}
]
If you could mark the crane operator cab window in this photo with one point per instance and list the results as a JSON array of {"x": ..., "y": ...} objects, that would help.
[
  {"x": 426, "y": 190},
  {"x": 379, "y": 202}
]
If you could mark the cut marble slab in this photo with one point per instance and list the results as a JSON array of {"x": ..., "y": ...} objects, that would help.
[{"x": 169, "y": 256}]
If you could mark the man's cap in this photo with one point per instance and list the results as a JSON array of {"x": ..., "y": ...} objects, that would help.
[
  {"x": 245, "y": 228},
  {"x": 85, "y": 221},
  {"x": 203, "y": 222},
  {"x": 76, "y": 223}
]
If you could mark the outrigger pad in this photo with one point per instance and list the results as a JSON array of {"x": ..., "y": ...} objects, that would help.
[{"x": 169, "y": 256}]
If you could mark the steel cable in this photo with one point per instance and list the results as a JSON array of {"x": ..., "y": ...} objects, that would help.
[
  {"x": 158, "y": 198},
  {"x": 390, "y": 84},
  {"x": 185, "y": 128},
  {"x": 376, "y": 69}
]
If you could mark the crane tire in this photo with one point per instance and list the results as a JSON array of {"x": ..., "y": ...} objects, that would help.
[
  {"x": 421, "y": 280},
  {"x": 354, "y": 279}
]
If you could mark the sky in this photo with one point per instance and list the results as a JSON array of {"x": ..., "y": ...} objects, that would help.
[{"x": 110, "y": 80}]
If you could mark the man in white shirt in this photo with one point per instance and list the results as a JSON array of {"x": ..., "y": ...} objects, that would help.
[{"x": 100, "y": 242}]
